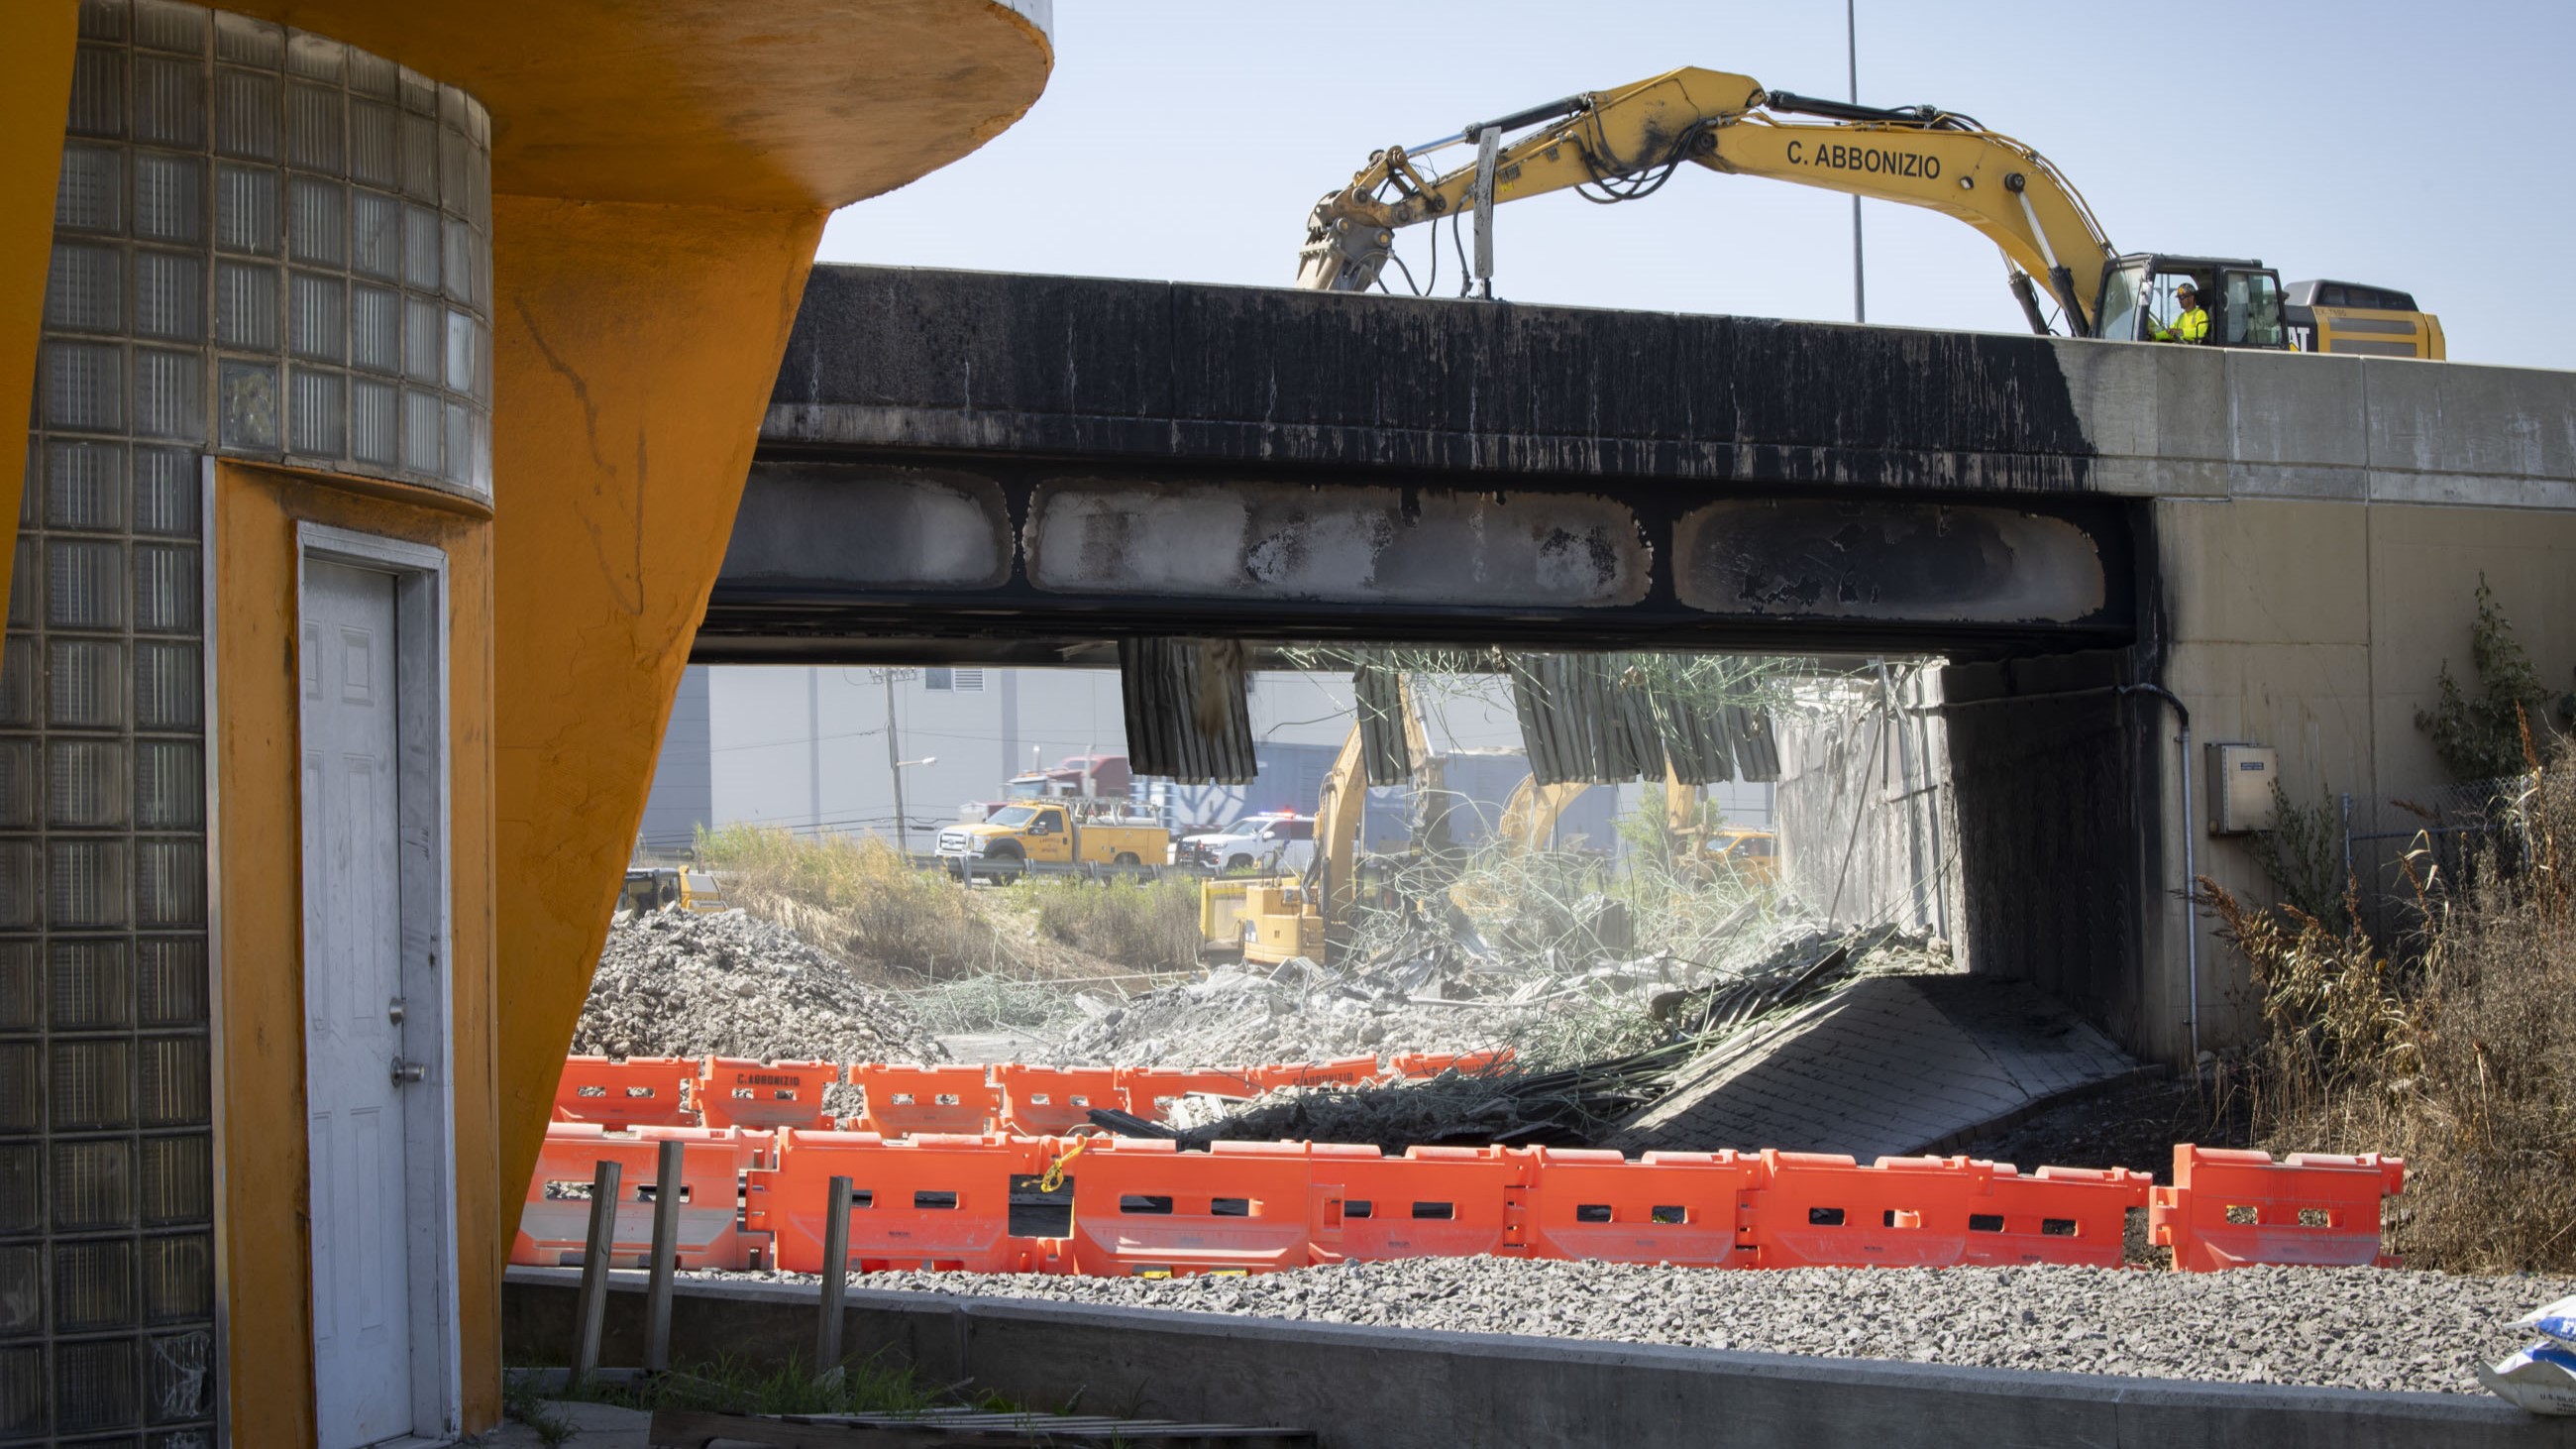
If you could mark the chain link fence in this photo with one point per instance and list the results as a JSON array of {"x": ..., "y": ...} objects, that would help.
[{"x": 2399, "y": 876}]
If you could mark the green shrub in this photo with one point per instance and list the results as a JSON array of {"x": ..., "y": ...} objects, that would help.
[{"x": 2488, "y": 735}]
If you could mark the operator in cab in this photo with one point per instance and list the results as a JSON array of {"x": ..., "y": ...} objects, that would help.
[{"x": 2191, "y": 324}]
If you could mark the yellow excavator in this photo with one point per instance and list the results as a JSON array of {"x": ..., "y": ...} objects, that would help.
[
  {"x": 1274, "y": 920},
  {"x": 1624, "y": 144},
  {"x": 1530, "y": 816},
  {"x": 660, "y": 887}
]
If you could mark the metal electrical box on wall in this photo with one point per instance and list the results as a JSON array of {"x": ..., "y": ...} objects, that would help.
[{"x": 2240, "y": 788}]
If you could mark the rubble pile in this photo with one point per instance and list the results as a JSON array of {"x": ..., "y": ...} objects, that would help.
[
  {"x": 682, "y": 983},
  {"x": 1794, "y": 965},
  {"x": 1591, "y": 1047},
  {"x": 1438, "y": 1000}
]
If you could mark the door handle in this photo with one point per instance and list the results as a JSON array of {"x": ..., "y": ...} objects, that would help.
[{"x": 407, "y": 1072}]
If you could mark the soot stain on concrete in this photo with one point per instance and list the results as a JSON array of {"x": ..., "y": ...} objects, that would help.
[{"x": 1279, "y": 376}]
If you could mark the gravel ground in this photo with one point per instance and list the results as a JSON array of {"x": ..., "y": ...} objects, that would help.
[
  {"x": 678, "y": 983},
  {"x": 2358, "y": 1328},
  {"x": 2133, "y": 1124}
]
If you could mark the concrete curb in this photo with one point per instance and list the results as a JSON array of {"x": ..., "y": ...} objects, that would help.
[{"x": 1382, "y": 1388}]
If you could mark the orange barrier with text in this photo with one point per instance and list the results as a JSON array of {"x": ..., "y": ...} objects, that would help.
[{"x": 737, "y": 1092}]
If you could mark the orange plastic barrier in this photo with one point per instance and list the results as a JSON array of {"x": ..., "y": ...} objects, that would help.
[
  {"x": 636, "y": 1092},
  {"x": 738, "y": 1092},
  {"x": 1141, "y": 1208},
  {"x": 1152, "y": 1090},
  {"x": 1432, "y": 1064},
  {"x": 1685, "y": 1208},
  {"x": 904, "y": 1099},
  {"x": 554, "y": 1227},
  {"x": 1339, "y": 1072},
  {"x": 1814, "y": 1210},
  {"x": 2228, "y": 1208},
  {"x": 931, "y": 1201},
  {"x": 1433, "y": 1202},
  {"x": 1046, "y": 1101}
]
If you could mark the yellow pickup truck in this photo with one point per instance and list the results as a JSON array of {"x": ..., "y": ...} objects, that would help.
[
  {"x": 1059, "y": 832},
  {"x": 1753, "y": 854}
]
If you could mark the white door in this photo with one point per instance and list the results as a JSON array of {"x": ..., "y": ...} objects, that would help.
[{"x": 353, "y": 980}]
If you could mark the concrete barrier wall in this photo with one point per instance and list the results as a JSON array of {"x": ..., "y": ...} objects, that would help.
[{"x": 1380, "y": 1388}]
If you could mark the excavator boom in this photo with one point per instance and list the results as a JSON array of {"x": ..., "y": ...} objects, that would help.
[{"x": 1624, "y": 143}]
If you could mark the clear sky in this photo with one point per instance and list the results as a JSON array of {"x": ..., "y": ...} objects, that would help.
[{"x": 2419, "y": 145}]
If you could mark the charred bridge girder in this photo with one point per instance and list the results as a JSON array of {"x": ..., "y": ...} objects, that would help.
[
  {"x": 981, "y": 467},
  {"x": 883, "y": 558}
]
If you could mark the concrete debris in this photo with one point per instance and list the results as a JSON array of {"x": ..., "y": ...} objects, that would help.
[
  {"x": 2355, "y": 1328},
  {"x": 1299, "y": 1012},
  {"x": 1497, "y": 1105},
  {"x": 1438, "y": 1000},
  {"x": 1607, "y": 1041},
  {"x": 1893, "y": 1065},
  {"x": 680, "y": 983}
]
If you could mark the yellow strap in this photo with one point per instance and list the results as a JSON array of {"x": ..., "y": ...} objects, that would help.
[{"x": 1055, "y": 1171}]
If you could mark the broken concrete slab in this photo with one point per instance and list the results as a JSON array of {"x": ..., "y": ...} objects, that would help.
[{"x": 1890, "y": 1066}]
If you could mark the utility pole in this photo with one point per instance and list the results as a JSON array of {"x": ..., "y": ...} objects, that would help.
[
  {"x": 1851, "y": 53},
  {"x": 894, "y": 765},
  {"x": 814, "y": 746}
]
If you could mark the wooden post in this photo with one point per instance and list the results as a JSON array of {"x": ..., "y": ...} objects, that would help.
[
  {"x": 592, "y": 1308},
  {"x": 668, "y": 1169},
  {"x": 836, "y": 1279}
]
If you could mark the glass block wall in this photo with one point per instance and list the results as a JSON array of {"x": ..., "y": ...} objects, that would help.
[{"x": 270, "y": 245}]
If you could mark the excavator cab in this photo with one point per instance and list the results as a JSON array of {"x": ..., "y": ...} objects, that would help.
[{"x": 2243, "y": 300}]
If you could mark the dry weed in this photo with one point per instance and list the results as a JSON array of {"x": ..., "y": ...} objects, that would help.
[
  {"x": 860, "y": 899},
  {"x": 1144, "y": 925},
  {"x": 2462, "y": 1058}
]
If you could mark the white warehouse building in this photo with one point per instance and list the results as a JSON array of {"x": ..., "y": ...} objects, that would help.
[{"x": 817, "y": 750}]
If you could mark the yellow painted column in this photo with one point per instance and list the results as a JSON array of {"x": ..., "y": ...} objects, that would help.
[
  {"x": 35, "y": 99},
  {"x": 635, "y": 349}
]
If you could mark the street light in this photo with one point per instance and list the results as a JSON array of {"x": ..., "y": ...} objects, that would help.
[{"x": 894, "y": 772}]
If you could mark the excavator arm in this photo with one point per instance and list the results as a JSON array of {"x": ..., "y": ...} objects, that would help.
[
  {"x": 1624, "y": 143},
  {"x": 1530, "y": 815}
]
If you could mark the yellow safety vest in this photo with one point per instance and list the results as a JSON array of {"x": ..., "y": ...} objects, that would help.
[{"x": 2191, "y": 326}]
